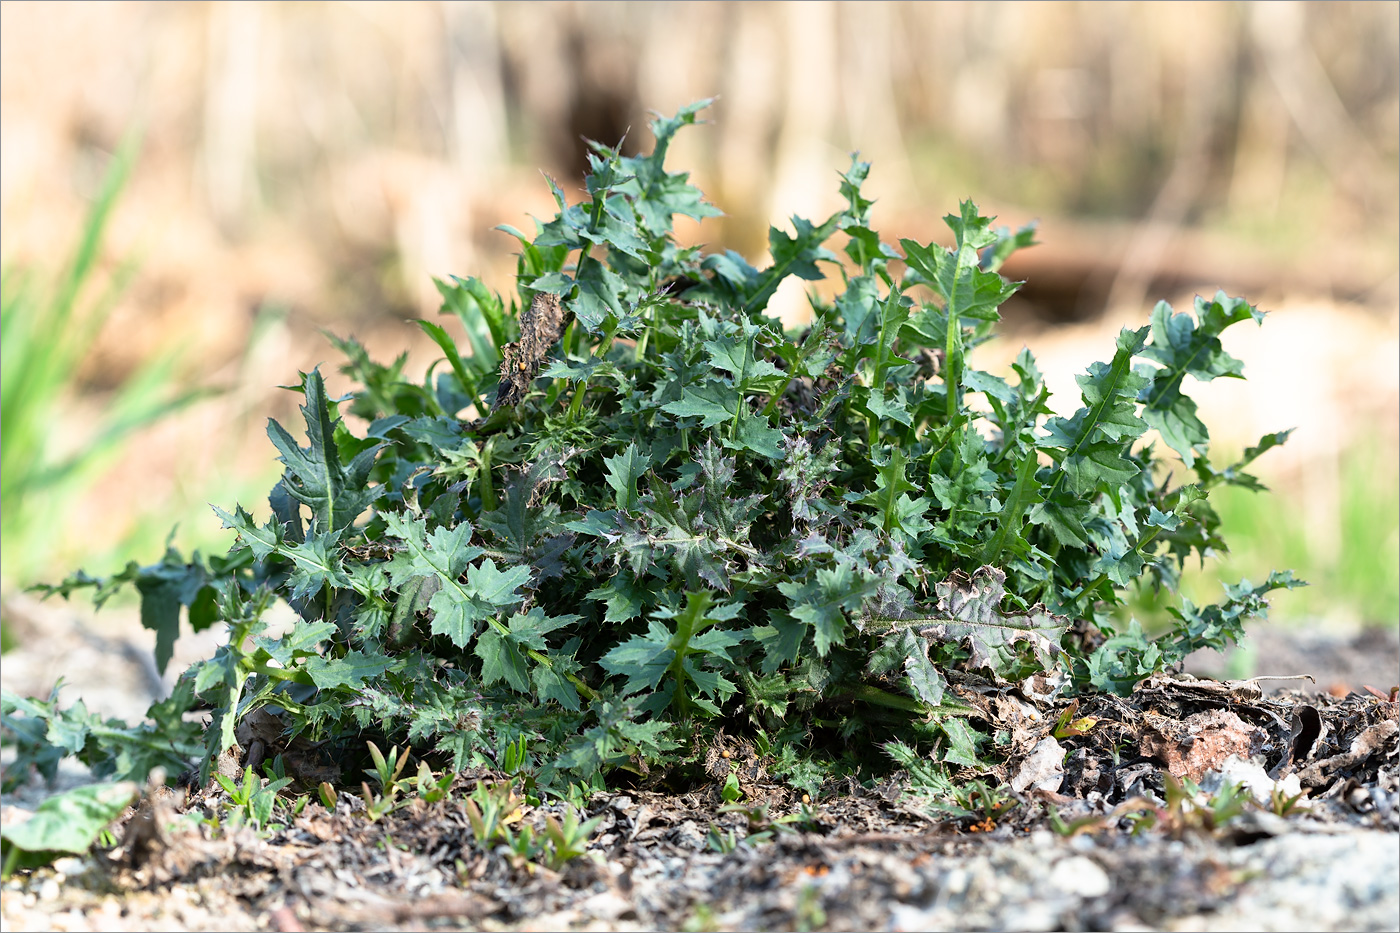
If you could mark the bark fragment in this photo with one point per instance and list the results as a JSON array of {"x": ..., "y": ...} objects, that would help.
[{"x": 540, "y": 328}]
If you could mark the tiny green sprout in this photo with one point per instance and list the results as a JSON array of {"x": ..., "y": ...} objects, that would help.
[
  {"x": 809, "y": 914},
  {"x": 523, "y": 846},
  {"x": 515, "y": 757},
  {"x": 490, "y": 808},
  {"x": 1281, "y": 803},
  {"x": 701, "y": 920},
  {"x": 1082, "y": 824},
  {"x": 984, "y": 800},
  {"x": 731, "y": 791},
  {"x": 386, "y": 770},
  {"x": 567, "y": 840},
  {"x": 719, "y": 840},
  {"x": 432, "y": 789},
  {"x": 252, "y": 800},
  {"x": 762, "y": 826},
  {"x": 1066, "y": 725}
]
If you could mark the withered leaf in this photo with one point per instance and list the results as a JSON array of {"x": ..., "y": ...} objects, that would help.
[{"x": 967, "y": 611}]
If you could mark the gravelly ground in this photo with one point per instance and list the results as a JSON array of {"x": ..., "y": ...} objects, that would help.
[{"x": 862, "y": 858}]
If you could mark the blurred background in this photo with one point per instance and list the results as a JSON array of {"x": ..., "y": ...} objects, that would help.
[{"x": 192, "y": 193}]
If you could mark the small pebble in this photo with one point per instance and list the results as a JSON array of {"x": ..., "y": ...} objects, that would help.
[{"x": 68, "y": 867}]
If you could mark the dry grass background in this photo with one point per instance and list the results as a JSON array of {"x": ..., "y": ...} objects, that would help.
[{"x": 310, "y": 166}]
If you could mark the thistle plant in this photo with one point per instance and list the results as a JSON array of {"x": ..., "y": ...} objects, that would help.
[{"x": 627, "y": 507}]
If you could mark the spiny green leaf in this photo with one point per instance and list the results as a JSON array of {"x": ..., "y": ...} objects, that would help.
[
  {"x": 352, "y": 670},
  {"x": 713, "y": 403},
  {"x": 335, "y": 493},
  {"x": 623, "y": 472}
]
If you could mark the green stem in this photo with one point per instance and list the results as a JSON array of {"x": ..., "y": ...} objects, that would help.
[
  {"x": 952, "y": 363},
  {"x": 576, "y": 403},
  {"x": 874, "y": 695},
  {"x": 957, "y": 470},
  {"x": 584, "y": 690},
  {"x": 1103, "y": 577},
  {"x": 488, "y": 493},
  {"x": 1015, "y": 507},
  {"x": 639, "y": 351},
  {"x": 877, "y": 697},
  {"x": 772, "y": 405}
]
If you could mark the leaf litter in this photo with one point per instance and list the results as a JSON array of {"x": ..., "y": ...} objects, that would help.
[{"x": 1099, "y": 825}]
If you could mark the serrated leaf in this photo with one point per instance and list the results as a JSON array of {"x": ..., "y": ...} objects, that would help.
[
  {"x": 551, "y": 685},
  {"x": 962, "y": 743},
  {"x": 1183, "y": 348},
  {"x": 445, "y": 553},
  {"x": 992, "y": 386},
  {"x": 336, "y": 493},
  {"x": 494, "y": 586},
  {"x": 316, "y": 563},
  {"x": 502, "y": 660},
  {"x": 600, "y": 292},
  {"x": 623, "y": 471},
  {"x": 348, "y": 672},
  {"x": 753, "y": 432},
  {"x": 823, "y": 601},
  {"x": 968, "y": 290},
  {"x": 623, "y": 598},
  {"x": 264, "y": 540},
  {"x": 642, "y": 659},
  {"x": 1094, "y": 440},
  {"x": 735, "y": 353},
  {"x": 67, "y": 822},
  {"x": 713, "y": 403},
  {"x": 304, "y": 639}
]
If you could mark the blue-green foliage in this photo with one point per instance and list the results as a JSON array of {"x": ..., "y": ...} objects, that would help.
[{"x": 693, "y": 515}]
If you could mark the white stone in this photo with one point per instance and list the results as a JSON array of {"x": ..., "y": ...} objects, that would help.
[{"x": 1080, "y": 877}]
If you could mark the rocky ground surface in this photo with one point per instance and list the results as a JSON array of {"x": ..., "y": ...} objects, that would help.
[{"x": 1084, "y": 829}]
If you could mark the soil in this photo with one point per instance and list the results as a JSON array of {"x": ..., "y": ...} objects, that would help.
[{"x": 1085, "y": 829}]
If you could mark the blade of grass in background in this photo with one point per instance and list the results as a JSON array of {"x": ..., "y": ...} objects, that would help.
[
  {"x": 1354, "y": 570},
  {"x": 46, "y": 331},
  {"x": 1353, "y": 573}
]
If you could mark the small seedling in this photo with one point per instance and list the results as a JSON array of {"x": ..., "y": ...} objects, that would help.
[
  {"x": 567, "y": 840},
  {"x": 515, "y": 757},
  {"x": 722, "y": 841},
  {"x": 809, "y": 914},
  {"x": 386, "y": 772},
  {"x": 701, "y": 920},
  {"x": 1281, "y": 803},
  {"x": 1066, "y": 725},
  {"x": 1083, "y": 824},
  {"x": 525, "y": 848},
  {"x": 252, "y": 800},
  {"x": 731, "y": 791},
  {"x": 490, "y": 809},
  {"x": 763, "y": 827}
]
